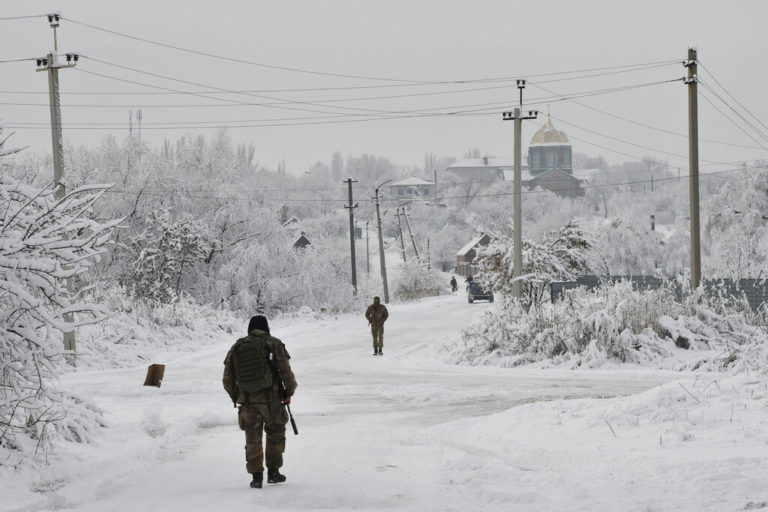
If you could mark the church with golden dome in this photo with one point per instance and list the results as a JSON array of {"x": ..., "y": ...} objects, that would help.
[
  {"x": 550, "y": 162},
  {"x": 549, "y": 149},
  {"x": 549, "y": 165}
]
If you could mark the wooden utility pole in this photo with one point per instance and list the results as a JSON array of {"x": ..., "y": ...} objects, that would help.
[
  {"x": 352, "y": 207},
  {"x": 517, "y": 117},
  {"x": 693, "y": 161},
  {"x": 367, "y": 250},
  {"x": 413, "y": 240},
  {"x": 400, "y": 229},
  {"x": 382, "y": 261},
  {"x": 52, "y": 63}
]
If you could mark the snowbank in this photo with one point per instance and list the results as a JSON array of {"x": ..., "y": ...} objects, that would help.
[
  {"x": 617, "y": 325},
  {"x": 694, "y": 444}
]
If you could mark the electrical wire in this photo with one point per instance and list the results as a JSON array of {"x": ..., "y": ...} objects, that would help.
[
  {"x": 731, "y": 95},
  {"x": 746, "y": 121},
  {"x": 726, "y": 116},
  {"x": 632, "y": 143},
  {"x": 18, "y": 60},
  {"x": 313, "y": 72},
  {"x": 197, "y": 84},
  {"x": 643, "y": 125},
  {"x": 23, "y": 17},
  {"x": 472, "y": 109}
]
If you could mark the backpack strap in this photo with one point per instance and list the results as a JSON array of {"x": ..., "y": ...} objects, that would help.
[{"x": 234, "y": 355}]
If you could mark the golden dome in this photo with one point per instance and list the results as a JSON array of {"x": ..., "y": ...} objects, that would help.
[{"x": 547, "y": 134}]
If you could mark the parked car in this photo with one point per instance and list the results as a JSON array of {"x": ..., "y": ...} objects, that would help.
[{"x": 476, "y": 291}]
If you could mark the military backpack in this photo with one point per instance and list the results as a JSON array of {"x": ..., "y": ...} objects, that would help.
[{"x": 252, "y": 369}]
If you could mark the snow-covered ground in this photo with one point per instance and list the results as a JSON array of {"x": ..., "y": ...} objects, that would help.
[{"x": 408, "y": 431}]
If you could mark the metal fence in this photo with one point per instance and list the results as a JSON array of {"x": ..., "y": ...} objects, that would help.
[{"x": 754, "y": 290}]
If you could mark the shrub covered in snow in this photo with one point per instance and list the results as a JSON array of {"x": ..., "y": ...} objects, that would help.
[
  {"x": 44, "y": 241},
  {"x": 414, "y": 279},
  {"x": 563, "y": 255},
  {"x": 617, "y": 323},
  {"x": 167, "y": 250}
]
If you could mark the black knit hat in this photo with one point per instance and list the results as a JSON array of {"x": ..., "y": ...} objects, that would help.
[{"x": 258, "y": 322}]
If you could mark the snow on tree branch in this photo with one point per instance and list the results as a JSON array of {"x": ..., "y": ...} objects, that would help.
[{"x": 44, "y": 241}]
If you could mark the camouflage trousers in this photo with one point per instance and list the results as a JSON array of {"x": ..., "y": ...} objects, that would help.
[
  {"x": 255, "y": 419},
  {"x": 377, "y": 331}
]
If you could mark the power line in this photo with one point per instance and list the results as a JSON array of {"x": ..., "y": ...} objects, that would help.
[
  {"x": 339, "y": 75},
  {"x": 23, "y": 17},
  {"x": 737, "y": 125},
  {"x": 340, "y": 118},
  {"x": 197, "y": 84},
  {"x": 637, "y": 123},
  {"x": 632, "y": 143},
  {"x": 506, "y": 83},
  {"x": 732, "y": 96},
  {"x": 19, "y": 60},
  {"x": 746, "y": 121}
]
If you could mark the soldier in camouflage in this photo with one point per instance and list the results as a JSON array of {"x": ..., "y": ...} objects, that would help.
[
  {"x": 263, "y": 411},
  {"x": 377, "y": 314}
]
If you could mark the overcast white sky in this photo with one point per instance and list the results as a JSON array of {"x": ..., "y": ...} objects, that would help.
[{"x": 433, "y": 40}]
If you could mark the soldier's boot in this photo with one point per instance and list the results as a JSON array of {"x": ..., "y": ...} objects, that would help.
[
  {"x": 380, "y": 352},
  {"x": 274, "y": 476},
  {"x": 375, "y": 351},
  {"x": 258, "y": 478}
]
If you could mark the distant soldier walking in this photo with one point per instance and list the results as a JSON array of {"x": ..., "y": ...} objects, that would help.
[
  {"x": 258, "y": 376},
  {"x": 377, "y": 314},
  {"x": 454, "y": 284}
]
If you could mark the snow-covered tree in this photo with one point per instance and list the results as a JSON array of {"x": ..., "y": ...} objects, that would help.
[
  {"x": 562, "y": 255},
  {"x": 165, "y": 252},
  {"x": 44, "y": 242}
]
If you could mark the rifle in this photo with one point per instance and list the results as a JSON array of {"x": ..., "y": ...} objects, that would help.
[{"x": 283, "y": 394}]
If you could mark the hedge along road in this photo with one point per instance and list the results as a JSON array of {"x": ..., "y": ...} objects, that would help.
[{"x": 369, "y": 427}]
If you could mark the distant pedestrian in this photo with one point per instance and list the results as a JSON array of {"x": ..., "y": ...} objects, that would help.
[
  {"x": 377, "y": 314},
  {"x": 258, "y": 376},
  {"x": 454, "y": 284}
]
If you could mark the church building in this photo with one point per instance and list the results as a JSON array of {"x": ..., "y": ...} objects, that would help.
[{"x": 550, "y": 162}]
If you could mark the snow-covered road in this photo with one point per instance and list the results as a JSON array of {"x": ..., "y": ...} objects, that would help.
[{"x": 376, "y": 433}]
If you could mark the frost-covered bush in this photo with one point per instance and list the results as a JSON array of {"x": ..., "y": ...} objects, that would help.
[
  {"x": 561, "y": 255},
  {"x": 615, "y": 322},
  {"x": 44, "y": 242},
  {"x": 413, "y": 279},
  {"x": 165, "y": 252}
]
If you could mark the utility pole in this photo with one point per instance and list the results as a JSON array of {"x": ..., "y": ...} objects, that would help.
[
  {"x": 517, "y": 117},
  {"x": 413, "y": 240},
  {"x": 52, "y": 63},
  {"x": 400, "y": 229},
  {"x": 435, "y": 201},
  {"x": 381, "y": 247},
  {"x": 352, "y": 207},
  {"x": 367, "y": 250},
  {"x": 429, "y": 256},
  {"x": 693, "y": 161}
]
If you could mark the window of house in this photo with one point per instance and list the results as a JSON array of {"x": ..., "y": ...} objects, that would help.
[
  {"x": 551, "y": 157},
  {"x": 567, "y": 158},
  {"x": 535, "y": 159}
]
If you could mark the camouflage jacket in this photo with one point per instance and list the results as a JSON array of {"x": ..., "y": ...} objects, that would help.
[
  {"x": 271, "y": 394},
  {"x": 377, "y": 314}
]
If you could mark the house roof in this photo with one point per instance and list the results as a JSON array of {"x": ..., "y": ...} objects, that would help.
[
  {"x": 411, "y": 182},
  {"x": 481, "y": 162},
  {"x": 471, "y": 245},
  {"x": 302, "y": 241},
  {"x": 291, "y": 220}
]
